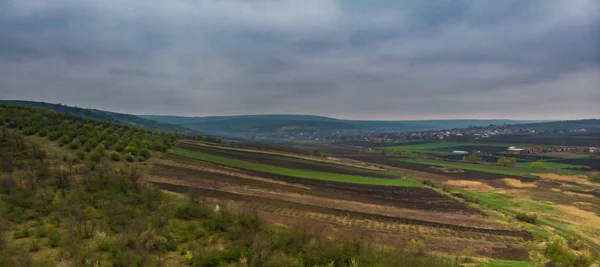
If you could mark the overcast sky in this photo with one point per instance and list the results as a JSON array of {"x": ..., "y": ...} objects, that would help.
[{"x": 525, "y": 59}]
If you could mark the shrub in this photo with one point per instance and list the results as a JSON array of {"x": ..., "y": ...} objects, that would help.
[
  {"x": 23, "y": 233},
  {"x": 429, "y": 183},
  {"x": 74, "y": 144},
  {"x": 95, "y": 156},
  {"x": 131, "y": 149},
  {"x": 527, "y": 218},
  {"x": 538, "y": 165},
  {"x": 43, "y": 133},
  {"x": 129, "y": 157},
  {"x": 145, "y": 153},
  {"x": 54, "y": 238},
  {"x": 80, "y": 155},
  {"x": 115, "y": 156},
  {"x": 100, "y": 149},
  {"x": 65, "y": 139},
  {"x": 508, "y": 162},
  {"x": 28, "y": 131},
  {"x": 190, "y": 211}
]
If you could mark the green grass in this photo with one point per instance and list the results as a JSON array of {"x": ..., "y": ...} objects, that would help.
[
  {"x": 508, "y": 203},
  {"x": 296, "y": 173},
  {"x": 504, "y": 263},
  {"x": 431, "y": 148},
  {"x": 491, "y": 168},
  {"x": 552, "y": 165}
]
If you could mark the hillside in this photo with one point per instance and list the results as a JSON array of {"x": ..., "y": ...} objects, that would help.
[
  {"x": 281, "y": 125},
  {"x": 108, "y": 116},
  {"x": 590, "y": 125}
]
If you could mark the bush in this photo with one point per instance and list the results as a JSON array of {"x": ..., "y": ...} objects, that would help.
[
  {"x": 54, "y": 238},
  {"x": 129, "y": 157},
  {"x": 43, "y": 133},
  {"x": 145, "y": 153},
  {"x": 28, "y": 131},
  {"x": 508, "y": 162},
  {"x": 131, "y": 149},
  {"x": 23, "y": 233},
  {"x": 115, "y": 156},
  {"x": 100, "y": 149},
  {"x": 527, "y": 218},
  {"x": 80, "y": 155},
  {"x": 190, "y": 211},
  {"x": 538, "y": 165},
  {"x": 65, "y": 139},
  {"x": 74, "y": 144},
  {"x": 95, "y": 156}
]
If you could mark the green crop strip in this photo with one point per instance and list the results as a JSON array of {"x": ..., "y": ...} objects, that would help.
[{"x": 334, "y": 177}]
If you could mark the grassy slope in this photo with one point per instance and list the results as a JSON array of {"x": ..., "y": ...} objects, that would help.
[
  {"x": 473, "y": 167},
  {"x": 296, "y": 173}
]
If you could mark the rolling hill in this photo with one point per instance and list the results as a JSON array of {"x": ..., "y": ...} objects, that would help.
[
  {"x": 102, "y": 115},
  {"x": 281, "y": 125}
]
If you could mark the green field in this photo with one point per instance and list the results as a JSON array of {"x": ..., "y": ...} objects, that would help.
[
  {"x": 296, "y": 173},
  {"x": 430, "y": 148},
  {"x": 553, "y": 165},
  {"x": 491, "y": 168}
]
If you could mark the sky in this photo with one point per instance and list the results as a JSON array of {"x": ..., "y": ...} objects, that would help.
[{"x": 379, "y": 60}]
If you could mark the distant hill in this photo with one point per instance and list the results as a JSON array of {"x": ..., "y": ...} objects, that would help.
[
  {"x": 590, "y": 125},
  {"x": 281, "y": 125},
  {"x": 121, "y": 118}
]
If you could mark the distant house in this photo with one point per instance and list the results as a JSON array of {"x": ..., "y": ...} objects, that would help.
[
  {"x": 593, "y": 150},
  {"x": 460, "y": 152},
  {"x": 515, "y": 151}
]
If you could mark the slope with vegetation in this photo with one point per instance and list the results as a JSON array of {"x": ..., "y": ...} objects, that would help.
[
  {"x": 87, "y": 138},
  {"x": 63, "y": 213},
  {"x": 126, "y": 119}
]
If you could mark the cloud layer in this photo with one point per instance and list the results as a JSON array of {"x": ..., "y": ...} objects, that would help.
[{"x": 515, "y": 59}]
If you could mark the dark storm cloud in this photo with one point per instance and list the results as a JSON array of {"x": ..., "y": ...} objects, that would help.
[{"x": 351, "y": 59}]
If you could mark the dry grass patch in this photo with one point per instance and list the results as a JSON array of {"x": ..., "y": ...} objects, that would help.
[
  {"x": 565, "y": 178},
  {"x": 517, "y": 183},
  {"x": 588, "y": 222},
  {"x": 472, "y": 185}
]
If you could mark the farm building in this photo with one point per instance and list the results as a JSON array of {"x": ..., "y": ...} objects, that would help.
[
  {"x": 460, "y": 152},
  {"x": 514, "y": 150},
  {"x": 593, "y": 150},
  {"x": 523, "y": 150}
]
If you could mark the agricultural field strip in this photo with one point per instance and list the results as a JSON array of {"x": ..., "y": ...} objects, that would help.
[
  {"x": 289, "y": 162},
  {"x": 229, "y": 173},
  {"x": 430, "y": 148},
  {"x": 314, "y": 197},
  {"x": 473, "y": 167},
  {"x": 297, "y": 173},
  {"x": 420, "y": 198},
  {"x": 325, "y": 160},
  {"x": 553, "y": 165},
  {"x": 339, "y": 212}
]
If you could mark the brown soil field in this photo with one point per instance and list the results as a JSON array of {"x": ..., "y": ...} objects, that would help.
[
  {"x": 297, "y": 209},
  {"x": 404, "y": 197},
  {"x": 390, "y": 215},
  {"x": 286, "y": 162}
]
